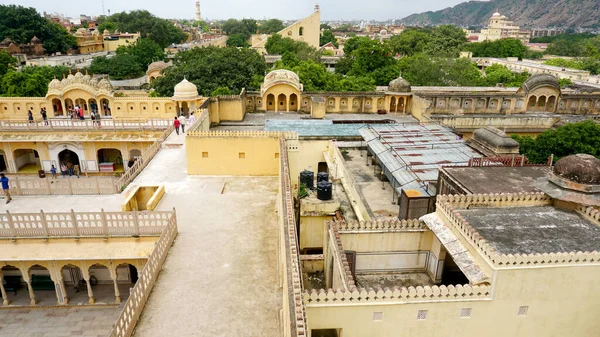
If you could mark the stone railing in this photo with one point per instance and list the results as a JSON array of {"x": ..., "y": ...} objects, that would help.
[
  {"x": 245, "y": 134},
  {"x": 199, "y": 124},
  {"x": 297, "y": 316},
  {"x": 590, "y": 213},
  {"x": 83, "y": 224},
  {"x": 447, "y": 205},
  {"x": 142, "y": 161},
  {"x": 340, "y": 255},
  {"x": 381, "y": 226},
  {"x": 138, "y": 296},
  {"x": 87, "y": 125},
  {"x": 62, "y": 186},
  {"x": 399, "y": 295}
]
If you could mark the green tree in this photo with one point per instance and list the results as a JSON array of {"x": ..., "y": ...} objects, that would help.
[
  {"x": 20, "y": 84},
  {"x": 278, "y": 45},
  {"x": 121, "y": 66},
  {"x": 150, "y": 26},
  {"x": 368, "y": 58},
  {"x": 213, "y": 67},
  {"x": 326, "y": 37},
  {"x": 237, "y": 40},
  {"x": 107, "y": 25},
  {"x": 144, "y": 50},
  {"x": 582, "y": 137},
  {"x": 425, "y": 70},
  {"x": 7, "y": 62},
  {"x": 220, "y": 91},
  {"x": 325, "y": 26},
  {"x": 271, "y": 26},
  {"x": 446, "y": 41},
  {"x": 353, "y": 42},
  {"x": 499, "y": 74},
  {"x": 22, "y": 24},
  {"x": 500, "y": 48},
  {"x": 411, "y": 41}
]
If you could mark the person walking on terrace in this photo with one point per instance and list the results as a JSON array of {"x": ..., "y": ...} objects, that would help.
[
  {"x": 176, "y": 125},
  {"x": 44, "y": 116},
  {"x": 182, "y": 121},
  {"x": 53, "y": 170},
  {"x": 30, "y": 116},
  {"x": 191, "y": 120},
  {"x": 5, "y": 187}
]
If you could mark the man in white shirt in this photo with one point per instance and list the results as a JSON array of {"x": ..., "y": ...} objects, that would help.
[
  {"x": 191, "y": 120},
  {"x": 183, "y": 121}
]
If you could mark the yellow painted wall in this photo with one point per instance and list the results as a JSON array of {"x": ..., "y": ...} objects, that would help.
[
  {"x": 387, "y": 241},
  {"x": 308, "y": 156},
  {"x": 312, "y": 231},
  {"x": 562, "y": 302},
  {"x": 215, "y": 155}
]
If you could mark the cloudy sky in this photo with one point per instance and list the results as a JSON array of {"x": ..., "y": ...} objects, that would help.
[{"x": 257, "y": 9}]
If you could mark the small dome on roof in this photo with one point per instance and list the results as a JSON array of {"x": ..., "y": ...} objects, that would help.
[
  {"x": 540, "y": 80},
  {"x": 185, "y": 90},
  {"x": 159, "y": 65},
  {"x": 496, "y": 15},
  {"x": 399, "y": 85},
  {"x": 579, "y": 168}
]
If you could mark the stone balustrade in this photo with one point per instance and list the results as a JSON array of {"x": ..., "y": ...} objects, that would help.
[
  {"x": 244, "y": 134},
  {"x": 85, "y": 125},
  {"x": 83, "y": 224},
  {"x": 381, "y": 226},
  {"x": 397, "y": 295},
  {"x": 346, "y": 273}
]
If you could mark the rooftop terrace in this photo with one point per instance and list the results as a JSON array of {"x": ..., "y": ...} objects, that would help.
[{"x": 480, "y": 180}]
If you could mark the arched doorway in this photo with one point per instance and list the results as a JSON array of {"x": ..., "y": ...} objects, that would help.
[
  {"x": 110, "y": 160},
  {"x": 27, "y": 161},
  {"x": 184, "y": 108},
  {"x": 74, "y": 284},
  {"x": 293, "y": 102},
  {"x": 93, "y": 105},
  {"x": 68, "y": 158},
  {"x": 69, "y": 104},
  {"x": 14, "y": 286},
  {"x": 531, "y": 103},
  {"x": 102, "y": 284},
  {"x": 3, "y": 165},
  {"x": 134, "y": 155},
  {"x": 127, "y": 271},
  {"x": 57, "y": 107},
  {"x": 105, "y": 106},
  {"x": 270, "y": 102},
  {"x": 551, "y": 103},
  {"x": 541, "y": 103},
  {"x": 282, "y": 102},
  {"x": 82, "y": 104},
  {"x": 393, "y": 104},
  {"x": 401, "y": 104},
  {"x": 44, "y": 289}
]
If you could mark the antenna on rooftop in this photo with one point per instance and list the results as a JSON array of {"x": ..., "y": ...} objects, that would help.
[{"x": 103, "y": 12}]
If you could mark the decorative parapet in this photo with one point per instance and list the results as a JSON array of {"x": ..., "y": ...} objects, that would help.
[
  {"x": 381, "y": 226},
  {"x": 294, "y": 276},
  {"x": 347, "y": 273},
  {"x": 446, "y": 205},
  {"x": 589, "y": 213},
  {"x": 397, "y": 295},
  {"x": 243, "y": 134}
]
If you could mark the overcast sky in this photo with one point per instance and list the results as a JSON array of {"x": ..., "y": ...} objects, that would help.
[{"x": 257, "y": 9}]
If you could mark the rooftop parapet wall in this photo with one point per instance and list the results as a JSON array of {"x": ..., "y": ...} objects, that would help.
[
  {"x": 397, "y": 295},
  {"x": 340, "y": 257},
  {"x": 381, "y": 226},
  {"x": 240, "y": 134},
  {"x": 447, "y": 205}
]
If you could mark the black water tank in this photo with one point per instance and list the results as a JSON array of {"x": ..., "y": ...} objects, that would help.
[
  {"x": 324, "y": 190},
  {"x": 322, "y": 176},
  {"x": 307, "y": 178}
]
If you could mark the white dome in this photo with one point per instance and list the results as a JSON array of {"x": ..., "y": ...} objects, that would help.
[
  {"x": 185, "y": 90},
  {"x": 496, "y": 15},
  {"x": 282, "y": 76}
]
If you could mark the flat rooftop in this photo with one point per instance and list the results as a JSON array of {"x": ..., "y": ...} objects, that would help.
[
  {"x": 84, "y": 249},
  {"x": 481, "y": 180},
  {"x": 531, "y": 230}
]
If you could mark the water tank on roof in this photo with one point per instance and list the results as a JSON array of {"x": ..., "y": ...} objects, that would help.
[
  {"x": 322, "y": 176},
  {"x": 307, "y": 178},
  {"x": 324, "y": 190}
]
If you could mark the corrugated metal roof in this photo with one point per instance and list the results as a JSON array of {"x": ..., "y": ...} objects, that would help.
[{"x": 411, "y": 154}]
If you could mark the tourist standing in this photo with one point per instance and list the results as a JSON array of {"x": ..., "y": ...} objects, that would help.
[
  {"x": 182, "y": 121},
  {"x": 191, "y": 120},
  {"x": 53, "y": 170},
  {"x": 5, "y": 187},
  {"x": 70, "y": 168},
  {"x": 63, "y": 169},
  {"x": 176, "y": 124},
  {"x": 30, "y": 116},
  {"x": 44, "y": 116},
  {"x": 76, "y": 170}
]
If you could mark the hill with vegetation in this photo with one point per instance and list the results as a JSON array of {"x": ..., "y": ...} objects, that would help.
[{"x": 527, "y": 13}]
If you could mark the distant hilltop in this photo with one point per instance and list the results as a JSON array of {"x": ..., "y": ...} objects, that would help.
[{"x": 527, "y": 13}]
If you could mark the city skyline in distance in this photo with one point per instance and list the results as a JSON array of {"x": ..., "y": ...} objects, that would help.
[{"x": 256, "y": 9}]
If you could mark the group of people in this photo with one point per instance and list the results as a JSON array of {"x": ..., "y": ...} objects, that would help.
[
  {"x": 42, "y": 112},
  {"x": 66, "y": 168},
  {"x": 181, "y": 122}
]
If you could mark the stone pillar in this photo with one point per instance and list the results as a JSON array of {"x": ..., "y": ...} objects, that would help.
[
  {"x": 32, "y": 300},
  {"x": 113, "y": 275},
  {"x": 5, "y": 300},
  {"x": 91, "y": 299},
  {"x": 60, "y": 284}
]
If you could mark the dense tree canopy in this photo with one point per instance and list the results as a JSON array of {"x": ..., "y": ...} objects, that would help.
[
  {"x": 278, "y": 45},
  {"x": 271, "y": 26},
  {"x": 326, "y": 37},
  {"x": 30, "y": 82},
  {"x": 237, "y": 40},
  {"x": 21, "y": 24},
  {"x": 150, "y": 26},
  {"x": 7, "y": 62},
  {"x": 211, "y": 68},
  {"x": 500, "y": 48},
  {"x": 446, "y": 41},
  {"x": 591, "y": 64},
  {"x": 131, "y": 61},
  {"x": 582, "y": 137},
  {"x": 411, "y": 41}
]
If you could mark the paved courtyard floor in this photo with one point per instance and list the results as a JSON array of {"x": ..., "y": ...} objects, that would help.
[{"x": 59, "y": 322}]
